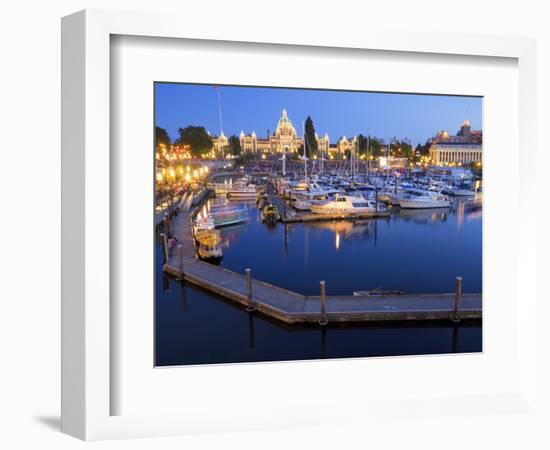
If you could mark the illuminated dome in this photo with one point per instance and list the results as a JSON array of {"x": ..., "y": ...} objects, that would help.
[
  {"x": 284, "y": 120},
  {"x": 284, "y": 127}
]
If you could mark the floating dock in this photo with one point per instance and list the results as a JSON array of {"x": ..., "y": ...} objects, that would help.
[
  {"x": 292, "y": 308},
  {"x": 312, "y": 217}
]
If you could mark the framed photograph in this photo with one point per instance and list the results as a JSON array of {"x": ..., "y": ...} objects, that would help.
[
  {"x": 267, "y": 231},
  {"x": 353, "y": 247}
]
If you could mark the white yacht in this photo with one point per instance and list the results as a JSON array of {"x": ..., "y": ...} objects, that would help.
[
  {"x": 302, "y": 205},
  {"x": 242, "y": 192},
  {"x": 311, "y": 191},
  {"x": 345, "y": 204},
  {"x": 419, "y": 198}
]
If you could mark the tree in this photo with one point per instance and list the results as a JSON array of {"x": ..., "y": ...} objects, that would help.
[
  {"x": 401, "y": 149},
  {"x": 234, "y": 145},
  {"x": 369, "y": 146},
  {"x": 197, "y": 138},
  {"x": 161, "y": 137},
  {"x": 424, "y": 149},
  {"x": 311, "y": 140}
]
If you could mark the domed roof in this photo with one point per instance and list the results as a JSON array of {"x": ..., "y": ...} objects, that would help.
[{"x": 284, "y": 120}]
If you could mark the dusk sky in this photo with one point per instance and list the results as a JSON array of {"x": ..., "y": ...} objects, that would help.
[{"x": 337, "y": 113}]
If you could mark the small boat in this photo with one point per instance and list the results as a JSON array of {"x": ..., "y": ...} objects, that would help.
[
  {"x": 209, "y": 245},
  {"x": 345, "y": 204},
  {"x": 270, "y": 214}
]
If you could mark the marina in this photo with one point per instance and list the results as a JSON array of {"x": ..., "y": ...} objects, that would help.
[
  {"x": 291, "y": 246},
  {"x": 291, "y": 307}
]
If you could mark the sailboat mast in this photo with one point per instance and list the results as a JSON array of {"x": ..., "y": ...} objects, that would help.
[
  {"x": 368, "y": 162},
  {"x": 322, "y": 161},
  {"x": 305, "y": 143},
  {"x": 355, "y": 152},
  {"x": 220, "y": 115}
]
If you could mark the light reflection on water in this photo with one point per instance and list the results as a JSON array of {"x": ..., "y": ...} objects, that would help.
[{"x": 416, "y": 251}]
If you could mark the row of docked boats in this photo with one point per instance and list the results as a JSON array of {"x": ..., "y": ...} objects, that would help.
[
  {"x": 362, "y": 198},
  {"x": 330, "y": 193}
]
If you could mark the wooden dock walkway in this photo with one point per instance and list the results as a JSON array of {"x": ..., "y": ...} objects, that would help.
[
  {"x": 291, "y": 307},
  {"x": 312, "y": 217}
]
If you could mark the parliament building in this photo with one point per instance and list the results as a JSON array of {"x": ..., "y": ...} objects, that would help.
[{"x": 284, "y": 139}]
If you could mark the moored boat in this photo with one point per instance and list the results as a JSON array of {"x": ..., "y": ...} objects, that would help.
[
  {"x": 270, "y": 214},
  {"x": 209, "y": 245},
  {"x": 345, "y": 204},
  {"x": 418, "y": 199},
  {"x": 242, "y": 192}
]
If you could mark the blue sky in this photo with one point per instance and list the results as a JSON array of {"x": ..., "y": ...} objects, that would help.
[{"x": 337, "y": 113}]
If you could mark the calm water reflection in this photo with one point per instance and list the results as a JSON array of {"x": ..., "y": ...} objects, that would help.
[{"x": 415, "y": 251}]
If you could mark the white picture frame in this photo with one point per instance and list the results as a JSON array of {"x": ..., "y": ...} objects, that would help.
[{"x": 86, "y": 248}]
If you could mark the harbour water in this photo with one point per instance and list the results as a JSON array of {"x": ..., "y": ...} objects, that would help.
[{"x": 418, "y": 251}]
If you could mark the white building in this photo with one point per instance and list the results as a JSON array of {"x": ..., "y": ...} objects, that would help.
[{"x": 464, "y": 148}]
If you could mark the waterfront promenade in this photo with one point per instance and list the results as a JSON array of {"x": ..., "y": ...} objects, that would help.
[{"x": 291, "y": 307}]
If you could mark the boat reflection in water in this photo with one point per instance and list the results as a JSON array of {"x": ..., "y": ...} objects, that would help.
[
  {"x": 424, "y": 216},
  {"x": 348, "y": 230}
]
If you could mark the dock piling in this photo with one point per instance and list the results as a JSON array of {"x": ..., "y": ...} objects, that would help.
[
  {"x": 284, "y": 204},
  {"x": 250, "y": 303},
  {"x": 458, "y": 295},
  {"x": 180, "y": 256},
  {"x": 293, "y": 308},
  {"x": 323, "y": 317},
  {"x": 164, "y": 246}
]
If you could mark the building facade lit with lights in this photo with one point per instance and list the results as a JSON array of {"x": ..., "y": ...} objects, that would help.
[
  {"x": 345, "y": 145},
  {"x": 284, "y": 139},
  {"x": 464, "y": 148},
  {"x": 323, "y": 143},
  {"x": 220, "y": 143}
]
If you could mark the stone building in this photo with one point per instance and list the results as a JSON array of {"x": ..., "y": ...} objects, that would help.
[
  {"x": 285, "y": 138},
  {"x": 323, "y": 143},
  {"x": 465, "y": 147},
  {"x": 220, "y": 143}
]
